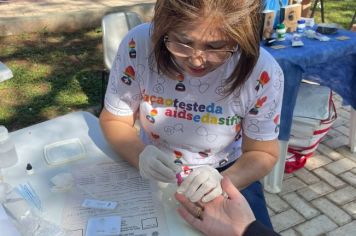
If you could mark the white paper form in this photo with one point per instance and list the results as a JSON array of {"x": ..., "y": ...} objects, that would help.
[{"x": 138, "y": 200}]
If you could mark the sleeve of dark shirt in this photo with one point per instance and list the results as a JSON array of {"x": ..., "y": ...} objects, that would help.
[{"x": 258, "y": 229}]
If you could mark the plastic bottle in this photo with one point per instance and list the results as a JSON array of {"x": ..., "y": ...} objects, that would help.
[
  {"x": 301, "y": 26},
  {"x": 281, "y": 32},
  {"x": 8, "y": 155}
]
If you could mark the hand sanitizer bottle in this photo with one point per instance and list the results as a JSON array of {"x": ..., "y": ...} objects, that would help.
[{"x": 8, "y": 155}]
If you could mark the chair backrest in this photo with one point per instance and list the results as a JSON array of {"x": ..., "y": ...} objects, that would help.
[
  {"x": 5, "y": 72},
  {"x": 115, "y": 26}
]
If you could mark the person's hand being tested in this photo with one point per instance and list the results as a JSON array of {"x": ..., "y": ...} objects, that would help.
[
  {"x": 223, "y": 216},
  {"x": 202, "y": 184},
  {"x": 156, "y": 165}
]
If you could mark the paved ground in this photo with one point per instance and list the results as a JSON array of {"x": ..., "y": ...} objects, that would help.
[{"x": 319, "y": 199}]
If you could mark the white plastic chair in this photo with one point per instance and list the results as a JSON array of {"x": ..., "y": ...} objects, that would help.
[
  {"x": 114, "y": 26},
  {"x": 5, "y": 72}
]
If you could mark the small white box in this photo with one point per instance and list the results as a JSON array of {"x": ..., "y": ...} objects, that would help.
[{"x": 64, "y": 151}]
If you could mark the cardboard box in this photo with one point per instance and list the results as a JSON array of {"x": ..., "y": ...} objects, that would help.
[
  {"x": 267, "y": 24},
  {"x": 289, "y": 16}
]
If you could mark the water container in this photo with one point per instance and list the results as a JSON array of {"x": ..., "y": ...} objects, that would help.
[
  {"x": 8, "y": 155},
  {"x": 301, "y": 26}
]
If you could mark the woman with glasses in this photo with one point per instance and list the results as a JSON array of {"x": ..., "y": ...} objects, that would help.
[{"x": 208, "y": 99}]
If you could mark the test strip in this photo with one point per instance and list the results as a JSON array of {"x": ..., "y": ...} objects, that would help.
[{"x": 97, "y": 204}]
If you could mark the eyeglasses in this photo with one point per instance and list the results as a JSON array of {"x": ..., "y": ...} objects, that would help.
[{"x": 185, "y": 51}]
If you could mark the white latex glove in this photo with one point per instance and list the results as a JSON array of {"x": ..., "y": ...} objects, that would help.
[
  {"x": 156, "y": 165},
  {"x": 202, "y": 183}
]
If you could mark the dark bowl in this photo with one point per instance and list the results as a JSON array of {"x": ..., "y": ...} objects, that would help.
[{"x": 327, "y": 28}]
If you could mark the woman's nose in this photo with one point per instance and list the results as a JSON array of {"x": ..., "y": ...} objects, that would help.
[{"x": 197, "y": 58}]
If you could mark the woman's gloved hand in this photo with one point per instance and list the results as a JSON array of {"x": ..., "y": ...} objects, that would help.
[
  {"x": 202, "y": 183},
  {"x": 156, "y": 165}
]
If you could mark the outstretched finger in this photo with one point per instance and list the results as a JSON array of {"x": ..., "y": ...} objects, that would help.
[
  {"x": 184, "y": 201},
  {"x": 195, "y": 209},
  {"x": 190, "y": 218},
  {"x": 212, "y": 195},
  {"x": 229, "y": 188}
]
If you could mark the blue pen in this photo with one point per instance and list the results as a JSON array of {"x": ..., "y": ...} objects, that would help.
[
  {"x": 28, "y": 193},
  {"x": 33, "y": 196},
  {"x": 25, "y": 195}
]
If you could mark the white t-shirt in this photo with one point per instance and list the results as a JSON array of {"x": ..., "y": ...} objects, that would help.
[{"x": 192, "y": 119}]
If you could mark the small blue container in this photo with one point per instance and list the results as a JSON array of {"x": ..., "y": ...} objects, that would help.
[{"x": 301, "y": 26}]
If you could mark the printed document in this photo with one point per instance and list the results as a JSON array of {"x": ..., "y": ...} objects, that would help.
[{"x": 138, "y": 202}]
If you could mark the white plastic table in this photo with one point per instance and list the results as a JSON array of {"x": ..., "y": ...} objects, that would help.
[{"x": 30, "y": 142}]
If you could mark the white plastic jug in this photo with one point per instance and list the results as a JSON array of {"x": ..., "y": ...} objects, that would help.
[{"x": 8, "y": 155}]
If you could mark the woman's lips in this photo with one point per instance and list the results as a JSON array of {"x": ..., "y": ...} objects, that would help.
[{"x": 197, "y": 70}]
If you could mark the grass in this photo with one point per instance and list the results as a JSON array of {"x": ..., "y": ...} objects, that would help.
[
  {"x": 54, "y": 73},
  {"x": 337, "y": 11},
  {"x": 57, "y": 73}
]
